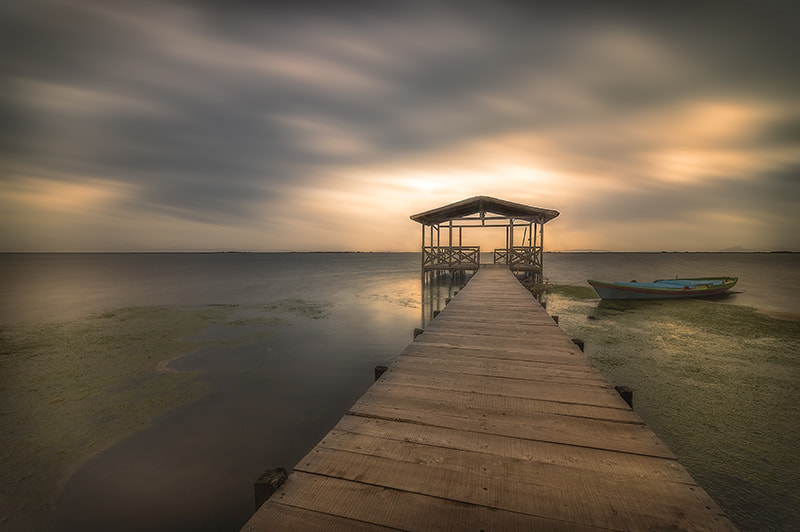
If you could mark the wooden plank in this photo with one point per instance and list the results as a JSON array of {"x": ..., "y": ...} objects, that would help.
[
  {"x": 529, "y": 327},
  {"x": 583, "y": 390},
  {"x": 531, "y": 371},
  {"x": 402, "y": 510},
  {"x": 553, "y": 428},
  {"x": 276, "y": 516},
  {"x": 594, "y": 461},
  {"x": 532, "y": 489},
  {"x": 568, "y": 355},
  {"x": 491, "y": 419},
  {"x": 565, "y": 393},
  {"x": 472, "y": 402},
  {"x": 486, "y": 341}
]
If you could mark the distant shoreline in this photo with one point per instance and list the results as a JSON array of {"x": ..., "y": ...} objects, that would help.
[
  {"x": 604, "y": 252},
  {"x": 553, "y": 252}
]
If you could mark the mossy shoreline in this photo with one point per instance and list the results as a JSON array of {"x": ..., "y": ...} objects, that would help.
[
  {"x": 719, "y": 383},
  {"x": 71, "y": 389}
]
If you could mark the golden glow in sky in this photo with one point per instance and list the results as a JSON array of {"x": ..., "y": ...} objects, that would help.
[{"x": 185, "y": 126}]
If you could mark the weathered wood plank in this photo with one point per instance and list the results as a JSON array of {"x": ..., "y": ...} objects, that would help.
[
  {"x": 492, "y": 367},
  {"x": 402, "y": 510},
  {"x": 596, "y": 462},
  {"x": 565, "y": 393},
  {"x": 474, "y": 402},
  {"x": 276, "y": 516},
  {"x": 492, "y": 419},
  {"x": 487, "y": 341},
  {"x": 567, "y": 354},
  {"x": 567, "y": 430},
  {"x": 560, "y": 494}
]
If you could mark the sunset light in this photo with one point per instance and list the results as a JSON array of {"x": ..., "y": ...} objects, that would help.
[
  {"x": 324, "y": 129},
  {"x": 409, "y": 258}
]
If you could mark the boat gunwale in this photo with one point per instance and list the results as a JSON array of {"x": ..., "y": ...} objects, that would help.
[{"x": 727, "y": 283}]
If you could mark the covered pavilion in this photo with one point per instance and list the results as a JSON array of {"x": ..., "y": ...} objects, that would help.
[{"x": 442, "y": 235}]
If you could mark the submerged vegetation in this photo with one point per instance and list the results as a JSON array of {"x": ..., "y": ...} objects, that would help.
[
  {"x": 300, "y": 308},
  {"x": 719, "y": 383},
  {"x": 542, "y": 290},
  {"x": 70, "y": 389}
]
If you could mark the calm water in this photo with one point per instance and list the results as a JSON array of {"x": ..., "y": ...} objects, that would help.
[
  {"x": 768, "y": 281},
  {"x": 275, "y": 348}
]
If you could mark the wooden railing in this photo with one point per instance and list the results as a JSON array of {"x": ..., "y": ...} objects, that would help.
[
  {"x": 520, "y": 257},
  {"x": 451, "y": 257},
  {"x": 501, "y": 256}
]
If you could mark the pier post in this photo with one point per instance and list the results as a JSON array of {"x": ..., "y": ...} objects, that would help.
[
  {"x": 380, "y": 370},
  {"x": 626, "y": 393},
  {"x": 267, "y": 484}
]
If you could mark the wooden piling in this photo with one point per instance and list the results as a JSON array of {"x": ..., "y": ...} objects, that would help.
[
  {"x": 626, "y": 394},
  {"x": 267, "y": 484}
]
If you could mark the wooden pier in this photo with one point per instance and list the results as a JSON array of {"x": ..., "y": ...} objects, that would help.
[{"x": 492, "y": 419}]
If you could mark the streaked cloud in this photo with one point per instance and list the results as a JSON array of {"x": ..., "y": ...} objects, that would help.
[{"x": 262, "y": 126}]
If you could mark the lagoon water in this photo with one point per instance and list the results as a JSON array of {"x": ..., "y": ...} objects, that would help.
[{"x": 149, "y": 391}]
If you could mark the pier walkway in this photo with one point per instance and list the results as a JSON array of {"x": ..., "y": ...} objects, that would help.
[{"x": 492, "y": 419}]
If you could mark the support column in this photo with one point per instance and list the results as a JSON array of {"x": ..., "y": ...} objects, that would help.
[
  {"x": 422, "y": 250},
  {"x": 510, "y": 242},
  {"x": 451, "y": 234},
  {"x": 541, "y": 252}
]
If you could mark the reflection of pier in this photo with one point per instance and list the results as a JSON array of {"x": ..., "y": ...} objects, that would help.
[
  {"x": 491, "y": 419},
  {"x": 443, "y": 232},
  {"x": 438, "y": 288}
]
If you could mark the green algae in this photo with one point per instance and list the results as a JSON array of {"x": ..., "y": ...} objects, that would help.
[
  {"x": 70, "y": 389},
  {"x": 542, "y": 290},
  {"x": 403, "y": 300},
  {"x": 719, "y": 383},
  {"x": 300, "y": 308},
  {"x": 572, "y": 291}
]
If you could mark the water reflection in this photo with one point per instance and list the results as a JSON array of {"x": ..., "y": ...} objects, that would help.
[{"x": 437, "y": 288}]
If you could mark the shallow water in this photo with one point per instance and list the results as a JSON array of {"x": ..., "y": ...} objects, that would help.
[
  {"x": 719, "y": 383},
  {"x": 275, "y": 348},
  {"x": 767, "y": 281},
  {"x": 157, "y": 387}
]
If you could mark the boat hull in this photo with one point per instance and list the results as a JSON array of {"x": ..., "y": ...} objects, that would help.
[{"x": 664, "y": 288}]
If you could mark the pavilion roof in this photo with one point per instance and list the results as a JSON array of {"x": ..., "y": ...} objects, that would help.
[{"x": 482, "y": 205}]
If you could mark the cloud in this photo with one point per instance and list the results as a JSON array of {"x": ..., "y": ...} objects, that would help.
[{"x": 309, "y": 125}]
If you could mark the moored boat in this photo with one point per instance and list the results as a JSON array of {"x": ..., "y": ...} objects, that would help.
[{"x": 664, "y": 288}]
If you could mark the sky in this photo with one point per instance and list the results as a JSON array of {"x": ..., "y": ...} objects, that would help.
[{"x": 319, "y": 126}]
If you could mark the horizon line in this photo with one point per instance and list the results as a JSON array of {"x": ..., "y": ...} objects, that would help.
[{"x": 234, "y": 251}]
